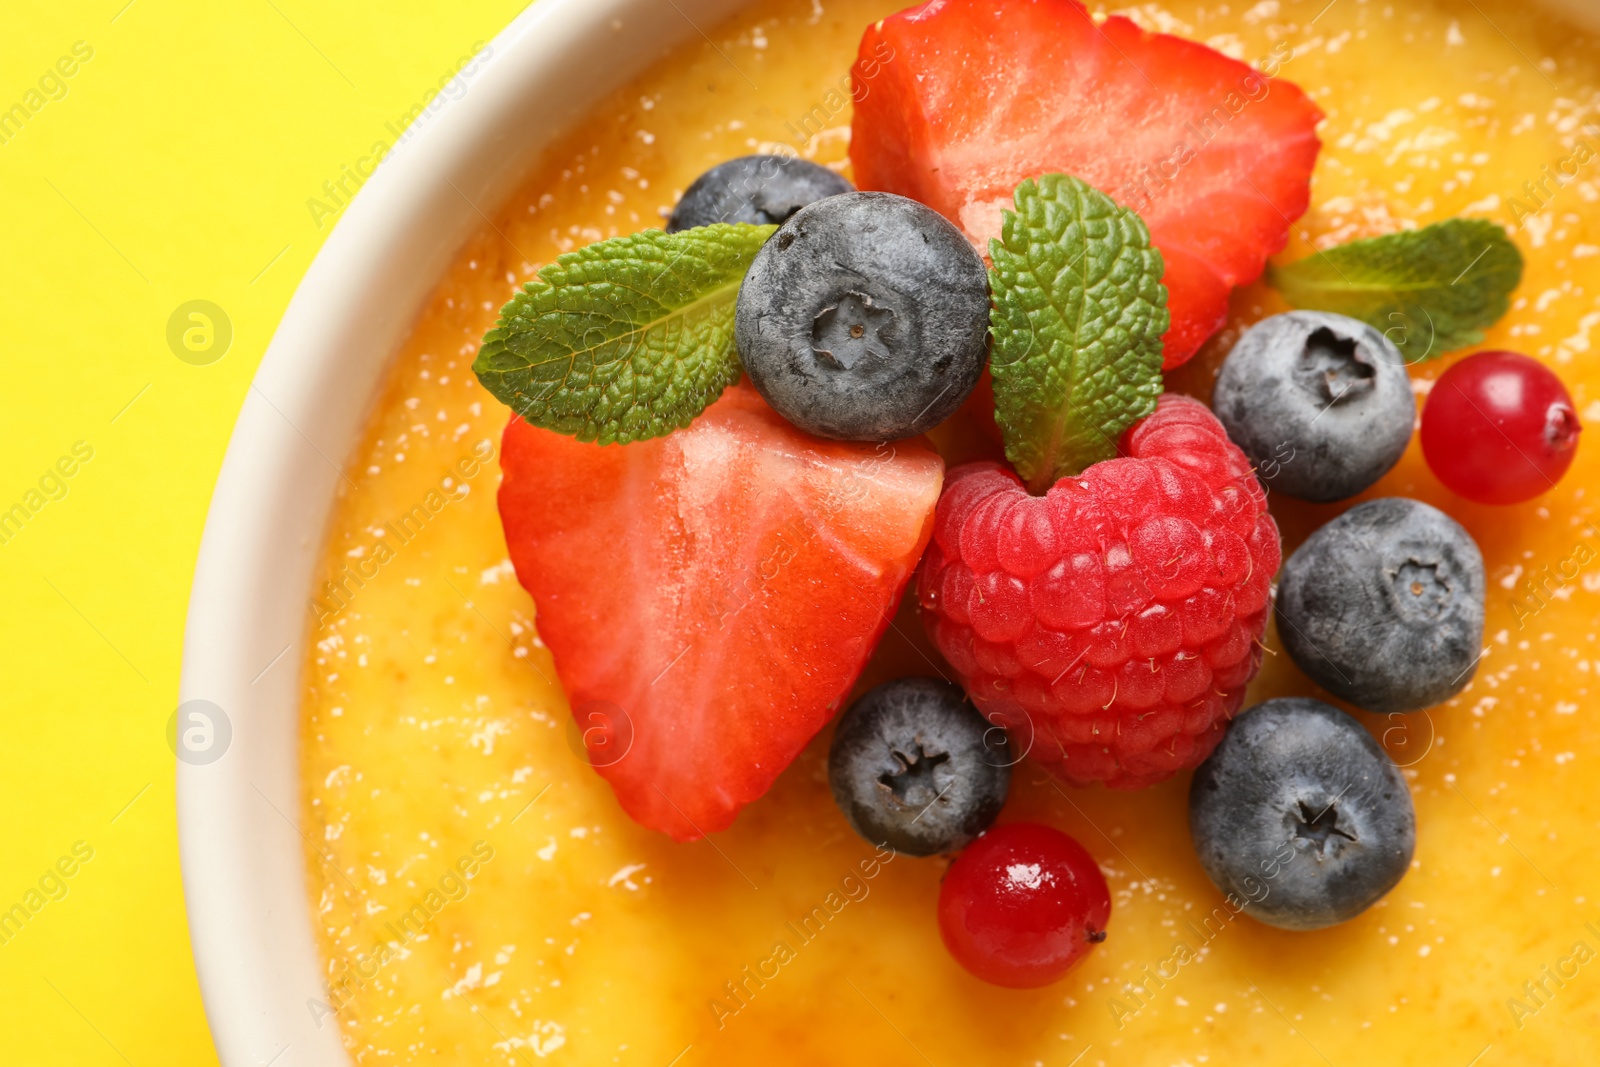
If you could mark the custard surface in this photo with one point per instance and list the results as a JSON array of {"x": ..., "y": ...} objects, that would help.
[{"x": 436, "y": 741}]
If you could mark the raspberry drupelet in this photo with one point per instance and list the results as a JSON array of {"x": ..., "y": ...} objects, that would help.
[{"x": 1112, "y": 624}]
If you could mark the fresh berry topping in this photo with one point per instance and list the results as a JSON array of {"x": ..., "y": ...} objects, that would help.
[
  {"x": 716, "y": 590},
  {"x": 1499, "y": 428},
  {"x": 1383, "y": 606},
  {"x": 764, "y": 190},
  {"x": 1022, "y": 905},
  {"x": 914, "y": 766},
  {"x": 1300, "y": 817},
  {"x": 1112, "y": 624},
  {"x": 865, "y": 318},
  {"x": 1320, "y": 403},
  {"x": 981, "y": 94}
]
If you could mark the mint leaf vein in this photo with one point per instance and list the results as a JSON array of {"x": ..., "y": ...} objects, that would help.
[
  {"x": 625, "y": 339},
  {"x": 1078, "y": 315},
  {"x": 1431, "y": 291}
]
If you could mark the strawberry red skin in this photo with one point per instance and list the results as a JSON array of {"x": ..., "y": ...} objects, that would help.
[
  {"x": 981, "y": 94},
  {"x": 1112, "y": 624},
  {"x": 722, "y": 586}
]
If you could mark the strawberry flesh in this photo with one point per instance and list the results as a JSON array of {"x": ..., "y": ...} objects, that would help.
[
  {"x": 977, "y": 95},
  {"x": 718, "y": 589}
]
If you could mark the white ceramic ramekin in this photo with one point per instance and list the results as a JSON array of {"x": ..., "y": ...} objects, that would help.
[
  {"x": 242, "y": 852},
  {"x": 238, "y": 817}
]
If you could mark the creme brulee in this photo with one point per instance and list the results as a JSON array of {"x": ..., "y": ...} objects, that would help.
[{"x": 481, "y": 899}]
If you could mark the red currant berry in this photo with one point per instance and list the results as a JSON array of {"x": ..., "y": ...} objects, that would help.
[
  {"x": 1499, "y": 428},
  {"x": 1022, "y": 905}
]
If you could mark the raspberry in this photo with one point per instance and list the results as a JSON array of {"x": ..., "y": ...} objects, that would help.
[{"x": 1112, "y": 624}]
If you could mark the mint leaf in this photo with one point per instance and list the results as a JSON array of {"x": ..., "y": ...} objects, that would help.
[
  {"x": 1431, "y": 291},
  {"x": 1079, "y": 310},
  {"x": 625, "y": 339}
]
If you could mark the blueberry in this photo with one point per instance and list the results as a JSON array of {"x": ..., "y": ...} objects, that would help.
[
  {"x": 913, "y": 765},
  {"x": 865, "y": 318},
  {"x": 756, "y": 189},
  {"x": 1320, "y": 403},
  {"x": 1383, "y": 606},
  {"x": 1300, "y": 816}
]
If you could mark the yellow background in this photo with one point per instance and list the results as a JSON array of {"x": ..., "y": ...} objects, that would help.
[{"x": 176, "y": 167}]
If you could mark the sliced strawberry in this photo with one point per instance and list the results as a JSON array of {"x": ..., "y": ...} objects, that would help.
[
  {"x": 960, "y": 100},
  {"x": 716, "y": 590}
]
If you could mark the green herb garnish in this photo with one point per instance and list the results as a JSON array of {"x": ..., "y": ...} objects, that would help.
[
  {"x": 1431, "y": 291},
  {"x": 625, "y": 339},
  {"x": 1079, "y": 310}
]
